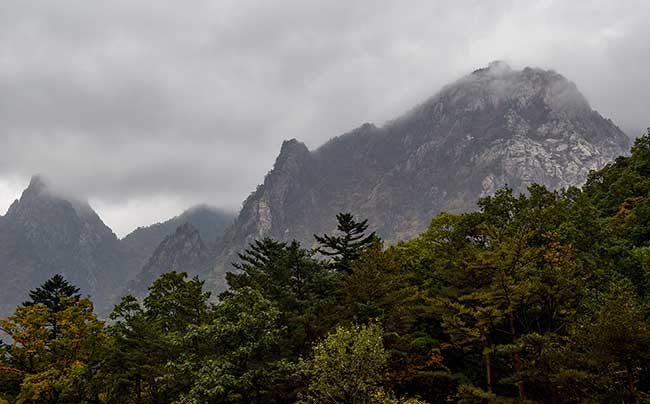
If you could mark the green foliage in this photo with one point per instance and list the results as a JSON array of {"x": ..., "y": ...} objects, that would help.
[
  {"x": 608, "y": 349},
  {"x": 174, "y": 303},
  {"x": 145, "y": 340},
  {"x": 346, "y": 247},
  {"x": 347, "y": 366},
  {"x": 239, "y": 361},
  {"x": 54, "y": 370},
  {"x": 301, "y": 287},
  {"x": 56, "y": 294},
  {"x": 540, "y": 297}
]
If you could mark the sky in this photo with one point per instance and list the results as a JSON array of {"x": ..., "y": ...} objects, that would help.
[{"x": 146, "y": 107}]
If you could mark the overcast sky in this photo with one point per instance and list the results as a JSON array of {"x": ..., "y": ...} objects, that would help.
[{"x": 146, "y": 107}]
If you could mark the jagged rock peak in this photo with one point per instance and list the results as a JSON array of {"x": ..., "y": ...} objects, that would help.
[
  {"x": 186, "y": 238},
  {"x": 37, "y": 183},
  {"x": 499, "y": 85},
  {"x": 292, "y": 149},
  {"x": 38, "y": 186},
  {"x": 496, "y": 68},
  {"x": 292, "y": 145},
  {"x": 54, "y": 233},
  {"x": 293, "y": 155},
  {"x": 495, "y": 126},
  {"x": 182, "y": 251}
]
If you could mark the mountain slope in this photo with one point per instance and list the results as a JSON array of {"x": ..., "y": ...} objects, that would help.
[
  {"x": 182, "y": 251},
  {"x": 43, "y": 234},
  {"x": 494, "y": 127},
  {"x": 210, "y": 222}
]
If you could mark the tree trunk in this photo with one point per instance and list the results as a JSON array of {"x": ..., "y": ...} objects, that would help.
[
  {"x": 138, "y": 390},
  {"x": 631, "y": 385},
  {"x": 488, "y": 366},
  {"x": 517, "y": 359}
]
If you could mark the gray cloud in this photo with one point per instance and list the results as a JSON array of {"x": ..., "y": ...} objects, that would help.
[{"x": 146, "y": 107}]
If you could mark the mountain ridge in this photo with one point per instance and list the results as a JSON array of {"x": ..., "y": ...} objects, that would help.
[
  {"x": 208, "y": 220},
  {"x": 181, "y": 251},
  {"x": 493, "y": 127},
  {"x": 45, "y": 233}
]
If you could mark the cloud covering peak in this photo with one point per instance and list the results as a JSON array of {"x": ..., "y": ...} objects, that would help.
[{"x": 146, "y": 107}]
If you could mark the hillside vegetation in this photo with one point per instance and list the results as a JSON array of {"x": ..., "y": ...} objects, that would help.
[{"x": 541, "y": 297}]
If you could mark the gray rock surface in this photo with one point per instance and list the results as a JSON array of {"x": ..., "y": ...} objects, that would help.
[
  {"x": 494, "y": 127},
  {"x": 210, "y": 222},
  {"x": 182, "y": 251},
  {"x": 43, "y": 234}
]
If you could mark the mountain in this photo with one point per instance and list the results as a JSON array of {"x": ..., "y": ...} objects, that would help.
[
  {"x": 210, "y": 223},
  {"x": 43, "y": 234},
  {"x": 182, "y": 251},
  {"x": 497, "y": 126}
]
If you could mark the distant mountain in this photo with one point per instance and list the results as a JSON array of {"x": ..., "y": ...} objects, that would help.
[
  {"x": 43, "y": 234},
  {"x": 182, "y": 251},
  {"x": 209, "y": 221},
  {"x": 494, "y": 127}
]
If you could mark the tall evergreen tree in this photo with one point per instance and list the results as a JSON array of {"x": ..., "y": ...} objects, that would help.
[
  {"x": 56, "y": 294},
  {"x": 300, "y": 286},
  {"x": 348, "y": 246}
]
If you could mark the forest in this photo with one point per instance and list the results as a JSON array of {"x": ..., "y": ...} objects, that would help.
[{"x": 535, "y": 298}]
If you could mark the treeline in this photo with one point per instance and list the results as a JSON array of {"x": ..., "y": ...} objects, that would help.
[{"x": 533, "y": 298}]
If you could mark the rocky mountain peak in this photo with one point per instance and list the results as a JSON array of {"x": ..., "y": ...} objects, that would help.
[
  {"x": 44, "y": 233},
  {"x": 293, "y": 155},
  {"x": 37, "y": 189},
  {"x": 209, "y": 221},
  {"x": 47, "y": 215},
  {"x": 495, "y": 68},
  {"x": 493, "y": 127},
  {"x": 37, "y": 185},
  {"x": 182, "y": 251},
  {"x": 498, "y": 86}
]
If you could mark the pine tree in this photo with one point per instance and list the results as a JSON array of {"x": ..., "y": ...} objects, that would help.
[
  {"x": 56, "y": 294},
  {"x": 348, "y": 246}
]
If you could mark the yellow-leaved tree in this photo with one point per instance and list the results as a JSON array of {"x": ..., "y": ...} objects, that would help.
[{"x": 54, "y": 366}]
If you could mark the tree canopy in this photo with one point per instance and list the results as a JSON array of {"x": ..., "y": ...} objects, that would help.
[{"x": 535, "y": 298}]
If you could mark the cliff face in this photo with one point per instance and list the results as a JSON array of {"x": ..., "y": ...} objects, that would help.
[{"x": 494, "y": 127}]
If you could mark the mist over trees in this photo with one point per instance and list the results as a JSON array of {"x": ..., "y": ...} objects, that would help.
[{"x": 541, "y": 297}]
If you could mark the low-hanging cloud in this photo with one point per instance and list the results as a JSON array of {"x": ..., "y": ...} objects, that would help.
[{"x": 146, "y": 107}]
